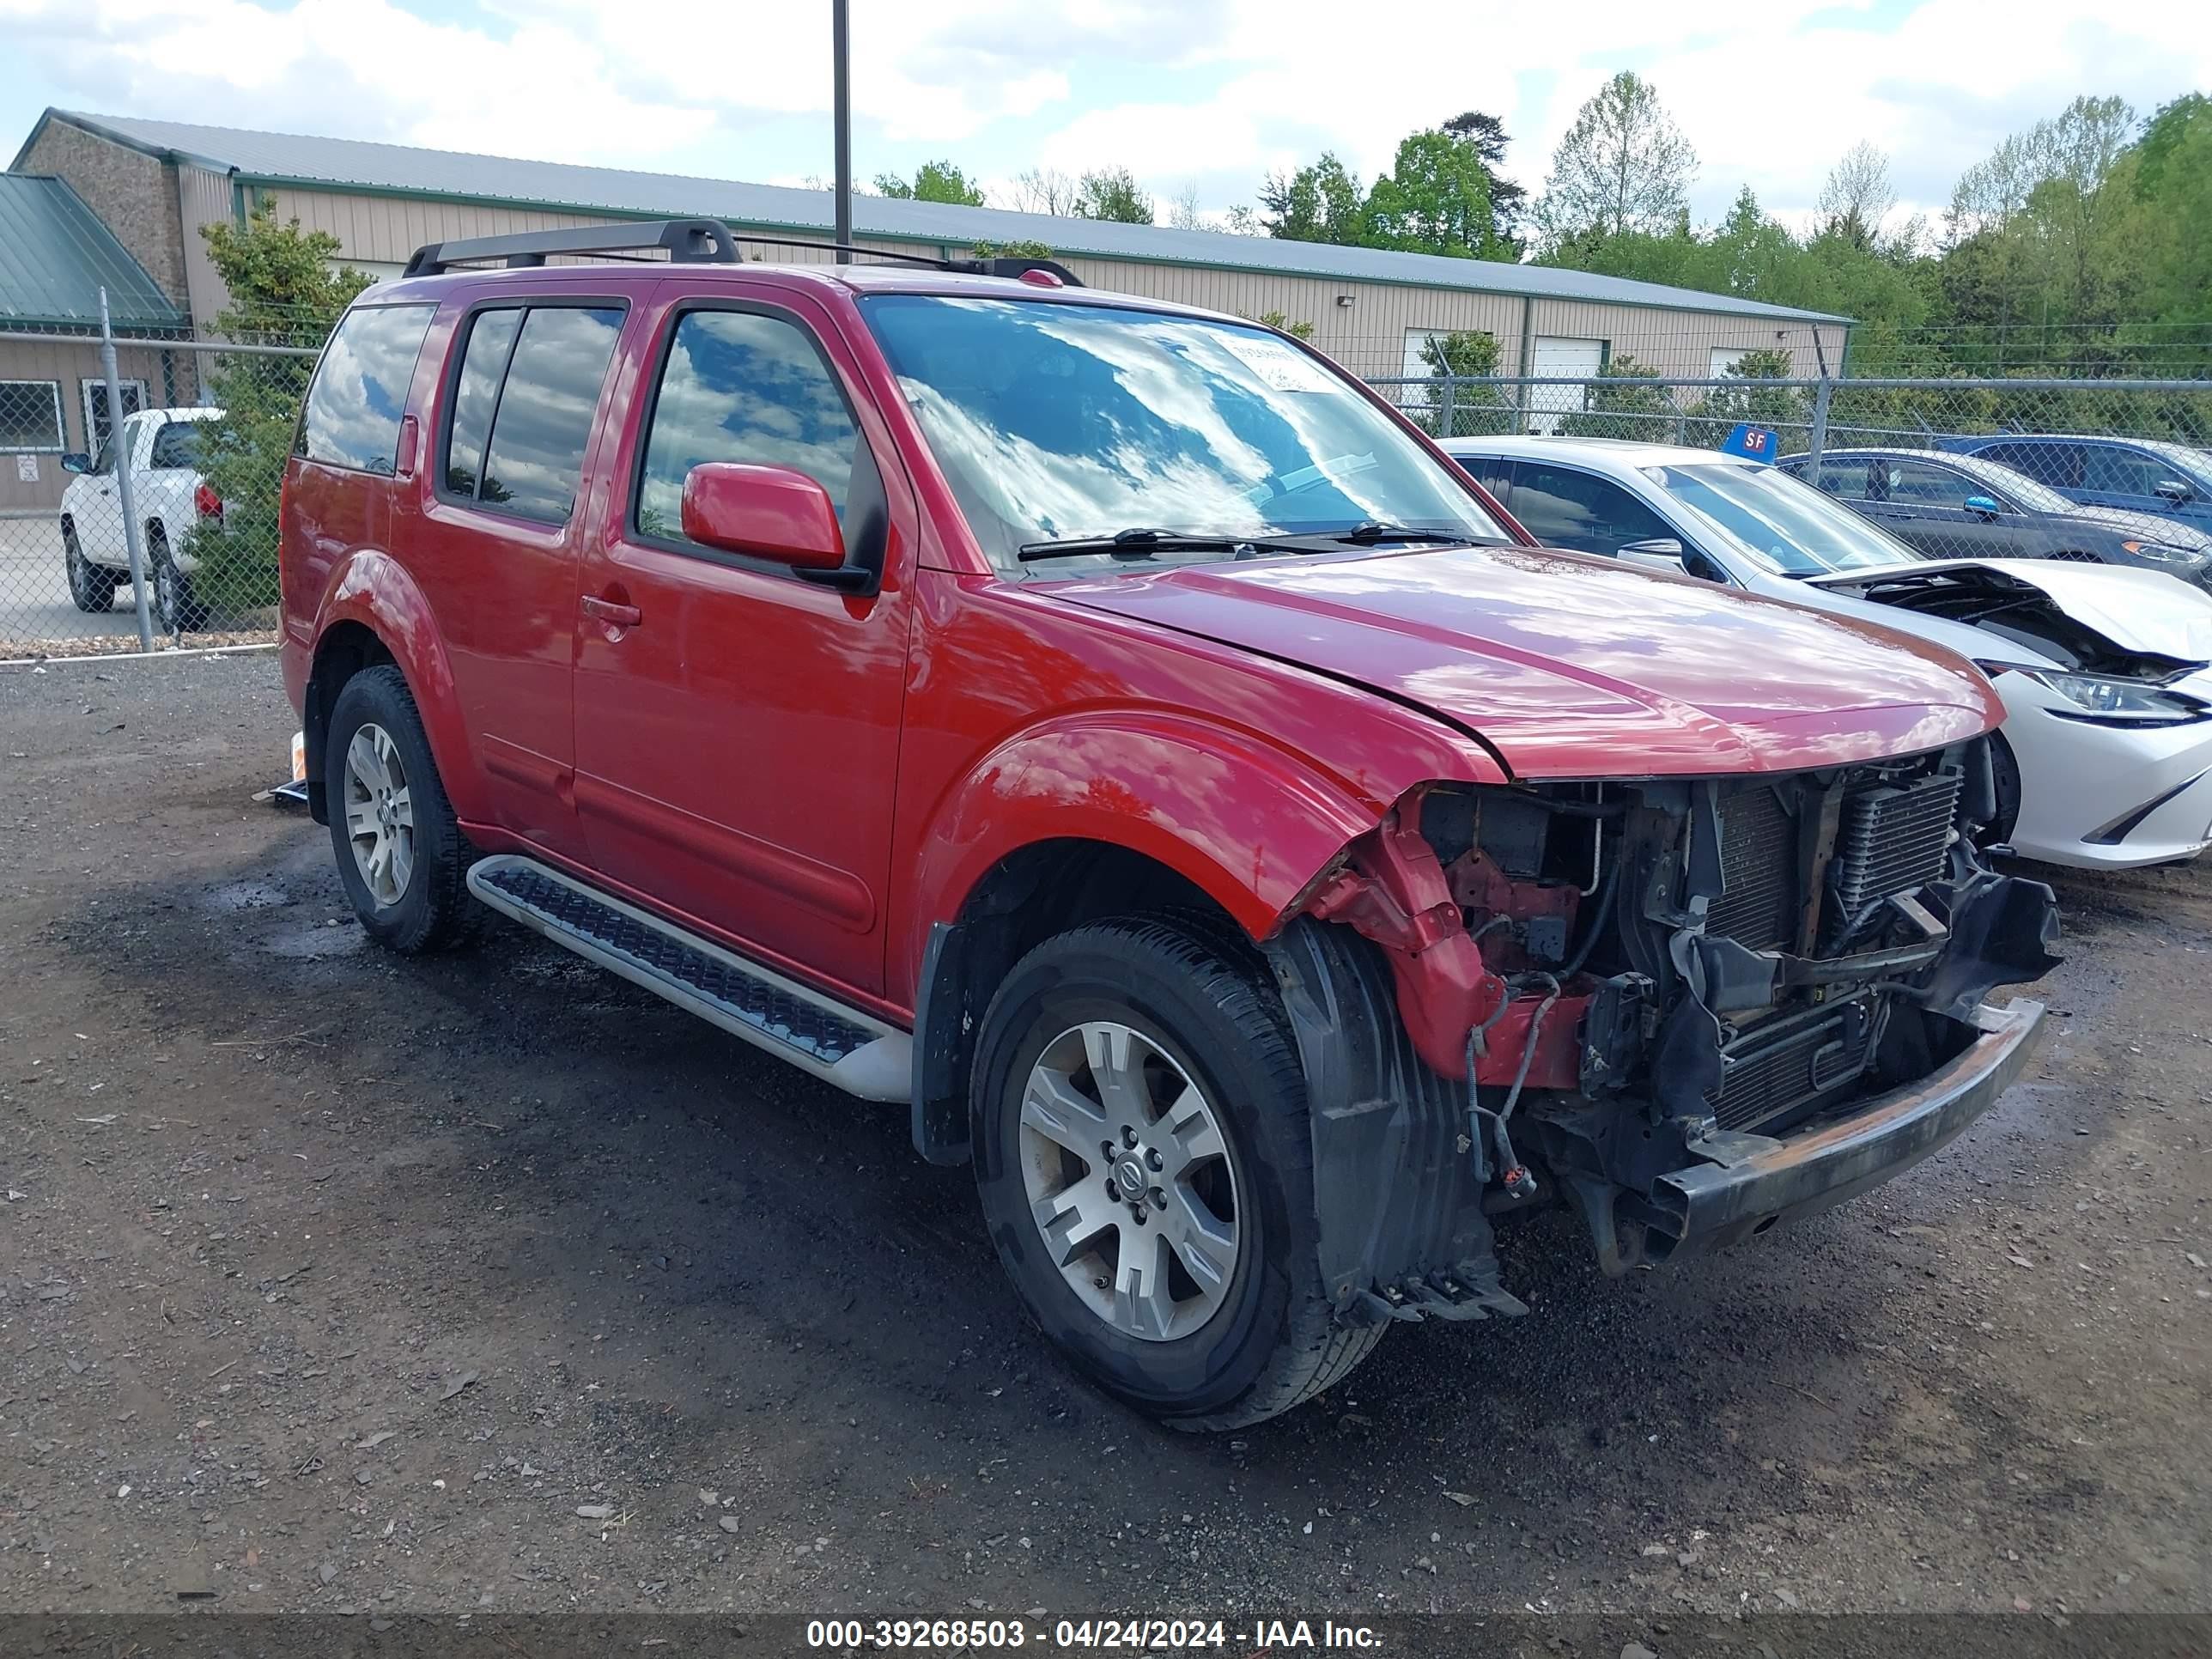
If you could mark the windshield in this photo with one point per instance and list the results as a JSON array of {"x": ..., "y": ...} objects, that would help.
[
  {"x": 1785, "y": 524},
  {"x": 1056, "y": 422}
]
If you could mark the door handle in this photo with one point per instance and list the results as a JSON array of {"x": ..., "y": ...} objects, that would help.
[{"x": 612, "y": 612}]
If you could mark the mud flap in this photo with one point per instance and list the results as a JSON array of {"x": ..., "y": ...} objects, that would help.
[{"x": 1401, "y": 1230}]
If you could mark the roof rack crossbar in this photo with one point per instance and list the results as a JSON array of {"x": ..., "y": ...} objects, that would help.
[
  {"x": 690, "y": 241},
  {"x": 686, "y": 241}
]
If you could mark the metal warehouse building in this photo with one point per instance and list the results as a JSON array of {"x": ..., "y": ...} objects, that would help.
[{"x": 154, "y": 183}]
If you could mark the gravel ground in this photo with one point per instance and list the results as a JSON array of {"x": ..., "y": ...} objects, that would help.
[{"x": 333, "y": 1281}]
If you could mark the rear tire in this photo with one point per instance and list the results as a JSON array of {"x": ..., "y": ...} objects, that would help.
[
  {"x": 1137, "y": 1091},
  {"x": 400, "y": 851},
  {"x": 174, "y": 606},
  {"x": 92, "y": 586}
]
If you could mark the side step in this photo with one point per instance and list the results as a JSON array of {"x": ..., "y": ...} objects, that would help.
[{"x": 856, "y": 1051}]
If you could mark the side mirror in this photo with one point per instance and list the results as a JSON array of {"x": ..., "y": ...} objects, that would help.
[
  {"x": 2166, "y": 489},
  {"x": 1982, "y": 506},
  {"x": 1659, "y": 553},
  {"x": 76, "y": 461},
  {"x": 775, "y": 512}
]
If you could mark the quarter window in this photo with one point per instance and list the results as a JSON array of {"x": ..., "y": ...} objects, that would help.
[
  {"x": 1563, "y": 508},
  {"x": 359, "y": 389},
  {"x": 534, "y": 459},
  {"x": 740, "y": 386}
]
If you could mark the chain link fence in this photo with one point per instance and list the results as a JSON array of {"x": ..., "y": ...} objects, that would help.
[
  {"x": 139, "y": 475},
  {"x": 2097, "y": 470}
]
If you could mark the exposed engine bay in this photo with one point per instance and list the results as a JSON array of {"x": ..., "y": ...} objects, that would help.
[
  {"x": 2002, "y": 604},
  {"x": 1674, "y": 970}
]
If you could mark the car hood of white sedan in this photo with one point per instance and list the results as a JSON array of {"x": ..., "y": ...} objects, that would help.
[{"x": 2144, "y": 611}]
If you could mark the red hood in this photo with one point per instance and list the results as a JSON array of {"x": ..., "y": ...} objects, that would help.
[{"x": 1572, "y": 666}]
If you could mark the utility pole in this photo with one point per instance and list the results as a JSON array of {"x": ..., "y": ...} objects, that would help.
[{"x": 841, "y": 50}]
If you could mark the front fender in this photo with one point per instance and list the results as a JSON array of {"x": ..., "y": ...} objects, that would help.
[
  {"x": 371, "y": 588},
  {"x": 1242, "y": 820}
]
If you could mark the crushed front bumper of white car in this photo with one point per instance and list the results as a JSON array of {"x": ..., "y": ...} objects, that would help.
[{"x": 2107, "y": 794}]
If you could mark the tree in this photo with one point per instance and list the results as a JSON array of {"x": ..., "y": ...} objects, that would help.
[
  {"x": 1296, "y": 330},
  {"x": 1435, "y": 199},
  {"x": 1782, "y": 408},
  {"x": 1624, "y": 166},
  {"x": 1242, "y": 220},
  {"x": 286, "y": 288},
  {"x": 1486, "y": 133},
  {"x": 1630, "y": 405},
  {"x": 1458, "y": 410},
  {"x": 1014, "y": 250},
  {"x": 1857, "y": 197},
  {"x": 1320, "y": 203},
  {"x": 1184, "y": 212},
  {"x": 933, "y": 182},
  {"x": 1045, "y": 190},
  {"x": 1112, "y": 193}
]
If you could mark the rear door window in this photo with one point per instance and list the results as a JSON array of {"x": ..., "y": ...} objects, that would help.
[
  {"x": 1919, "y": 484},
  {"x": 360, "y": 390},
  {"x": 739, "y": 385},
  {"x": 1848, "y": 479},
  {"x": 475, "y": 396},
  {"x": 534, "y": 458},
  {"x": 1562, "y": 507}
]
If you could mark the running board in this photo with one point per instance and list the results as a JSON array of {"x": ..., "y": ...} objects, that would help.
[{"x": 856, "y": 1051}]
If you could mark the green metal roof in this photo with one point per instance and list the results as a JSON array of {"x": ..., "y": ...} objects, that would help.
[{"x": 56, "y": 255}]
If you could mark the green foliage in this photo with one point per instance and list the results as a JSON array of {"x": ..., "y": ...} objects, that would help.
[
  {"x": 933, "y": 182},
  {"x": 1015, "y": 250},
  {"x": 1630, "y": 405},
  {"x": 1454, "y": 409},
  {"x": 1297, "y": 330},
  {"x": 286, "y": 288},
  {"x": 1788, "y": 409},
  {"x": 1435, "y": 199},
  {"x": 1112, "y": 193},
  {"x": 1320, "y": 203},
  {"x": 1624, "y": 166}
]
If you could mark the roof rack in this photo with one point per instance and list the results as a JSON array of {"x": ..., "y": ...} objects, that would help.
[{"x": 689, "y": 241}]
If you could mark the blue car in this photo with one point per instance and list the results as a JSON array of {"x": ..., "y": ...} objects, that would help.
[{"x": 2137, "y": 474}]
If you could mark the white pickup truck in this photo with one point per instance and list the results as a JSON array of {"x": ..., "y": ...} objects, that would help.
[{"x": 162, "y": 446}]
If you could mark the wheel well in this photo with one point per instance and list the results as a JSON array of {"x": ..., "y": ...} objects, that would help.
[
  {"x": 345, "y": 650},
  {"x": 1028, "y": 896}
]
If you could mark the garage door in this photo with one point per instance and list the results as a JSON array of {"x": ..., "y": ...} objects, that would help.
[{"x": 1557, "y": 356}]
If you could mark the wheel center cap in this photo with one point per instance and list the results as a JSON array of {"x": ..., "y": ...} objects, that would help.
[{"x": 1129, "y": 1176}]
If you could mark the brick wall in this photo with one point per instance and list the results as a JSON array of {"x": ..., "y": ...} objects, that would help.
[{"x": 135, "y": 194}]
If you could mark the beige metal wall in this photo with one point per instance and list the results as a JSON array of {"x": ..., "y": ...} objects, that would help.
[
  {"x": 72, "y": 363},
  {"x": 203, "y": 198},
  {"x": 1368, "y": 335}
]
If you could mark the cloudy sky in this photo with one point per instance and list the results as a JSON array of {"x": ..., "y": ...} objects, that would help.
[{"x": 1204, "y": 92}]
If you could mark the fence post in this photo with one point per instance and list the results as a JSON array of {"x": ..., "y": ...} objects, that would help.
[
  {"x": 133, "y": 532},
  {"x": 1819, "y": 437},
  {"x": 1444, "y": 408}
]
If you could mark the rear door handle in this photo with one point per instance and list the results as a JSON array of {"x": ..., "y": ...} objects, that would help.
[{"x": 612, "y": 612}]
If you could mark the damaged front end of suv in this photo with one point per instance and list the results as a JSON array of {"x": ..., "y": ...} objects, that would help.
[{"x": 1690, "y": 1007}]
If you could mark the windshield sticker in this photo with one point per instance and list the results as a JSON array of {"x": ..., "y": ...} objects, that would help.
[{"x": 1281, "y": 367}]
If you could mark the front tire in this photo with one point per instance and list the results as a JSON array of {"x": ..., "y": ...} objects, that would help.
[
  {"x": 400, "y": 851},
  {"x": 1145, "y": 1169},
  {"x": 92, "y": 586}
]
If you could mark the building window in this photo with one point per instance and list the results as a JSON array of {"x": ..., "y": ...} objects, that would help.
[
  {"x": 31, "y": 418},
  {"x": 97, "y": 425}
]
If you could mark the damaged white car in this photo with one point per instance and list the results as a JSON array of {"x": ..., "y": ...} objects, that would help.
[{"x": 2104, "y": 759}]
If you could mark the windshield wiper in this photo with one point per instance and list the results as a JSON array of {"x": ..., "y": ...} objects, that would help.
[
  {"x": 1371, "y": 531},
  {"x": 1142, "y": 544}
]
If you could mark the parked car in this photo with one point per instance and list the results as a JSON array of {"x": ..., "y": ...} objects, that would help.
[
  {"x": 2135, "y": 475},
  {"x": 2105, "y": 757},
  {"x": 1116, "y": 733},
  {"x": 1968, "y": 507},
  {"x": 162, "y": 445}
]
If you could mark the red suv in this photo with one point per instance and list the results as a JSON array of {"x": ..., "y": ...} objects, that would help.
[{"x": 1116, "y": 732}]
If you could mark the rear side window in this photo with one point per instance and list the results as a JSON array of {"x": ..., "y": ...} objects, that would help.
[
  {"x": 740, "y": 386},
  {"x": 1845, "y": 478},
  {"x": 1564, "y": 508},
  {"x": 177, "y": 444},
  {"x": 475, "y": 396},
  {"x": 360, "y": 390},
  {"x": 540, "y": 414}
]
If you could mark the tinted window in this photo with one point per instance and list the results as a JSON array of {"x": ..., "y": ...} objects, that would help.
[
  {"x": 359, "y": 390},
  {"x": 742, "y": 387},
  {"x": 177, "y": 444},
  {"x": 1563, "y": 508},
  {"x": 476, "y": 394},
  {"x": 2123, "y": 472},
  {"x": 2058, "y": 465},
  {"x": 1845, "y": 478},
  {"x": 535, "y": 460},
  {"x": 1917, "y": 484}
]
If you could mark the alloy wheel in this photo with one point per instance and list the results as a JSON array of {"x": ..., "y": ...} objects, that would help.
[
  {"x": 1130, "y": 1181},
  {"x": 379, "y": 814}
]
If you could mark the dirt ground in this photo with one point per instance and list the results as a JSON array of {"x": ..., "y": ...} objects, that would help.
[{"x": 330, "y": 1281}]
